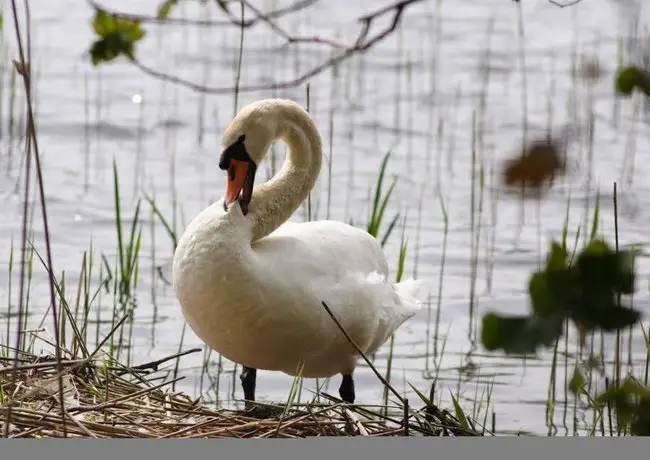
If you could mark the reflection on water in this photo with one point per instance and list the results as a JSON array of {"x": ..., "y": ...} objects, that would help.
[{"x": 417, "y": 95}]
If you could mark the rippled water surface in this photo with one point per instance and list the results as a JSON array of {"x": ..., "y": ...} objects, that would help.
[{"x": 416, "y": 94}]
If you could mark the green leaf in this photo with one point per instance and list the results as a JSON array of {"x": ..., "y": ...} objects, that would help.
[
  {"x": 519, "y": 334},
  {"x": 2, "y": 21},
  {"x": 490, "y": 332},
  {"x": 640, "y": 426},
  {"x": 541, "y": 295},
  {"x": 165, "y": 8},
  {"x": 424, "y": 399},
  {"x": 597, "y": 247},
  {"x": 100, "y": 52},
  {"x": 627, "y": 391},
  {"x": 598, "y": 270},
  {"x": 557, "y": 258},
  {"x": 104, "y": 24},
  {"x": 626, "y": 276},
  {"x": 616, "y": 319},
  {"x": 110, "y": 48},
  {"x": 460, "y": 415},
  {"x": 577, "y": 382},
  {"x": 631, "y": 400},
  {"x": 223, "y": 4},
  {"x": 630, "y": 78},
  {"x": 117, "y": 37},
  {"x": 132, "y": 30}
]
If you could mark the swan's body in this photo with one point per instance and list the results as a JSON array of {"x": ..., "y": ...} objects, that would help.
[{"x": 251, "y": 285}]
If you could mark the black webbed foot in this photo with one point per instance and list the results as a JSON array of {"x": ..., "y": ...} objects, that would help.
[{"x": 346, "y": 390}]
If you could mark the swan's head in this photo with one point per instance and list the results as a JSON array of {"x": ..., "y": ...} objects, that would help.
[{"x": 244, "y": 145}]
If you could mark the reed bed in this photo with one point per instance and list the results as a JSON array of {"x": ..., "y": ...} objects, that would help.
[{"x": 102, "y": 400}]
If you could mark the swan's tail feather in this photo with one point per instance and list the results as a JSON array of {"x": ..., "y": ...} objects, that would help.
[
  {"x": 409, "y": 295},
  {"x": 401, "y": 303}
]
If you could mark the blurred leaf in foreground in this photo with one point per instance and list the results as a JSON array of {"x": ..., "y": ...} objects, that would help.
[
  {"x": 631, "y": 400},
  {"x": 586, "y": 292},
  {"x": 630, "y": 78},
  {"x": 537, "y": 165},
  {"x": 165, "y": 8},
  {"x": 519, "y": 334},
  {"x": 577, "y": 382},
  {"x": 117, "y": 37}
]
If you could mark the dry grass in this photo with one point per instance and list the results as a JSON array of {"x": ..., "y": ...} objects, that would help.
[{"x": 111, "y": 401}]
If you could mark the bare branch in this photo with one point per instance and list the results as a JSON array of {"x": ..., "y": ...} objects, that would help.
[
  {"x": 232, "y": 21},
  {"x": 564, "y": 4},
  {"x": 363, "y": 42}
]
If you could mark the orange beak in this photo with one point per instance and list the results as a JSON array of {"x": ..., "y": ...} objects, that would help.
[{"x": 237, "y": 173}]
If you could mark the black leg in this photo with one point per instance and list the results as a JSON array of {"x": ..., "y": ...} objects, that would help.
[
  {"x": 248, "y": 377},
  {"x": 346, "y": 390}
]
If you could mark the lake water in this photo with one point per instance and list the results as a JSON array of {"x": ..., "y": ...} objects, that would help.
[{"x": 415, "y": 94}]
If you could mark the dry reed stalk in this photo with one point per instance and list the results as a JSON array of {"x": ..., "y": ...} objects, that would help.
[{"x": 112, "y": 401}]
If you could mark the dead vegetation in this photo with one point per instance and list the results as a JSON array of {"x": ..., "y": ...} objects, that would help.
[{"x": 107, "y": 400}]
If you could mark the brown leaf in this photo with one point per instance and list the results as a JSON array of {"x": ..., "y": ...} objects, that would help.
[
  {"x": 536, "y": 166},
  {"x": 23, "y": 70}
]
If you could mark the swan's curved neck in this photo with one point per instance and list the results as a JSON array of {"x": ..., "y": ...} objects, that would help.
[{"x": 274, "y": 202}]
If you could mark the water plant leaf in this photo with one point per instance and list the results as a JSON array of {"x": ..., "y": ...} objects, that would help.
[
  {"x": 557, "y": 257},
  {"x": 541, "y": 296},
  {"x": 519, "y": 334},
  {"x": 585, "y": 289},
  {"x": 630, "y": 78},
  {"x": 610, "y": 320},
  {"x": 421, "y": 395},
  {"x": 629, "y": 390},
  {"x": 379, "y": 204},
  {"x": 577, "y": 382},
  {"x": 460, "y": 415},
  {"x": 631, "y": 400},
  {"x": 626, "y": 276},
  {"x": 165, "y": 8},
  {"x": 640, "y": 426}
]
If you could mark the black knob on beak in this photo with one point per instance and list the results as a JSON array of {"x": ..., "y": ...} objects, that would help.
[{"x": 224, "y": 161}]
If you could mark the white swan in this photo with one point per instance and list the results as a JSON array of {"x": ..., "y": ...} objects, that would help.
[{"x": 251, "y": 285}]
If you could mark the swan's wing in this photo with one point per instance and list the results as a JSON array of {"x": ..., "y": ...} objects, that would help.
[
  {"x": 332, "y": 247},
  {"x": 341, "y": 265}
]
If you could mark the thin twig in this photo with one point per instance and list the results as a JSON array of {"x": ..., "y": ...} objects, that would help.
[
  {"x": 75, "y": 421},
  {"x": 232, "y": 21},
  {"x": 154, "y": 364},
  {"x": 564, "y": 4},
  {"x": 25, "y": 72},
  {"x": 45, "y": 365},
  {"x": 362, "y": 354},
  {"x": 362, "y": 43}
]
